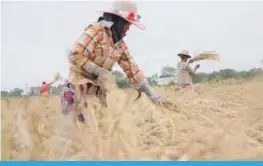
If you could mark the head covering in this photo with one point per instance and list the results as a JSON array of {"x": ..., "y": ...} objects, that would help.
[
  {"x": 100, "y": 19},
  {"x": 118, "y": 26},
  {"x": 67, "y": 83},
  {"x": 126, "y": 10},
  {"x": 184, "y": 53}
]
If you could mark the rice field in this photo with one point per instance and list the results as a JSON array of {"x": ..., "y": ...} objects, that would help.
[{"x": 217, "y": 121}]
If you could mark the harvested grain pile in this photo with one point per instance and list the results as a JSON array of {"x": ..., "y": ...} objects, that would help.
[{"x": 218, "y": 121}]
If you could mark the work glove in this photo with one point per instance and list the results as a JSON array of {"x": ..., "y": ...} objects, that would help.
[
  {"x": 94, "y": 69},
  {"x": 145, "y": 87},
  {"x": 197, "y": 66},
  {"x": 97, "y": 74},
  {"x": 103, "y": 80},
  {"x": 102, "y": 75},
  {"x": 86, "y": 65},
  {"x": 190, "y": 61}
]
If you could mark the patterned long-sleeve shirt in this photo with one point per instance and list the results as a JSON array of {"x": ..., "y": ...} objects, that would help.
[
  {"x": 95, "y": 44},
  {"x": 185, "y": 73}
]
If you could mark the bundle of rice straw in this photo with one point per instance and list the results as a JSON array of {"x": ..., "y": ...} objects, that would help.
[
  {"x": 207, "y": 55},
  {"x": 57, "y": 76}
]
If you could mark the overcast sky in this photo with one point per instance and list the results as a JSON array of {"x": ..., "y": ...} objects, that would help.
[{"x": 36, "y": 36}]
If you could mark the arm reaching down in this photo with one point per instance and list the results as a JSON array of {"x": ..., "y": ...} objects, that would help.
[
  {"x": 130, "y": 68},
  {"x": 135, "y": 75}
]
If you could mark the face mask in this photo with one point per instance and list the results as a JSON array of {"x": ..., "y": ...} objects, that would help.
[{"x": 117, "y": 28}]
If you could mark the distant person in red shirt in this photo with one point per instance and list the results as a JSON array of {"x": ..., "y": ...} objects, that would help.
[{"x": 44, "y": 88}]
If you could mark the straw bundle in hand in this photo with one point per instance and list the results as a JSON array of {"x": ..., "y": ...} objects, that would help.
[
  {"x": 57, "y": 76},
  {"x": 207, "y": 55}
]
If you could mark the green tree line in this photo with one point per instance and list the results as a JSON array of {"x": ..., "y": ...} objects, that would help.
[{"x": 167, "y": 71}]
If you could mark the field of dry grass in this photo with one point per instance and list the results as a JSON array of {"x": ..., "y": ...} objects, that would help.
[{"x": 217, "y": 121}]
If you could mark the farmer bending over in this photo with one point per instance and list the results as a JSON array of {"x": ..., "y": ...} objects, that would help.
[{"x": 101, "y": 46}]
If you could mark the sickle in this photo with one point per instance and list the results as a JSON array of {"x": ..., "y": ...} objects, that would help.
[{"x": 138, "y": 91}]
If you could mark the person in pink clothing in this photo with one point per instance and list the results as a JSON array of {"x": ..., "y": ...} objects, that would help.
[{"x": 67, "y": 101}]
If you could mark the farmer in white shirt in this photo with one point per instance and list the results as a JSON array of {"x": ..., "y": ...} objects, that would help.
[{"x": 184, "y": 70}]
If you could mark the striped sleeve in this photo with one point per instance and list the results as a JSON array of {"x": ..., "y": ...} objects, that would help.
[{"x": 129, "y": 66}]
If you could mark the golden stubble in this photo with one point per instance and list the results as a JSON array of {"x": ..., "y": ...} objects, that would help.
[{"x": 216, "y": 121}]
